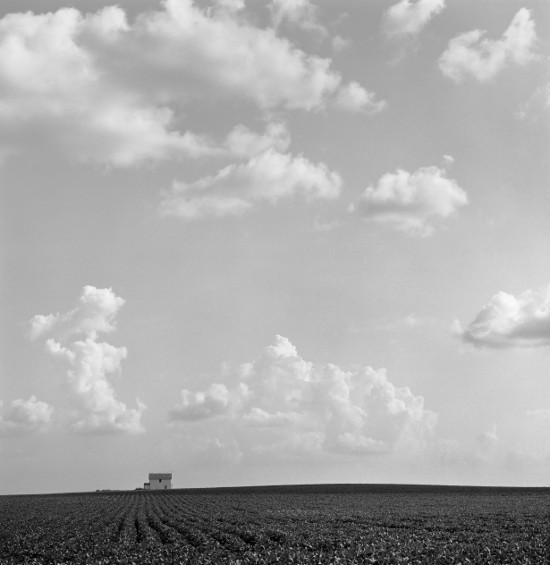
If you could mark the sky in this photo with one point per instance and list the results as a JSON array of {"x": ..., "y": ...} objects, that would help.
[{"x": 281, "y": 241}]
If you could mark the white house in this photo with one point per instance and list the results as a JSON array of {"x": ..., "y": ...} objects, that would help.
[{"x": 159, "y": 481}]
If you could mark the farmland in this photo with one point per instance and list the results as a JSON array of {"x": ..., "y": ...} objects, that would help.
[{"x": 295, "y": 524}]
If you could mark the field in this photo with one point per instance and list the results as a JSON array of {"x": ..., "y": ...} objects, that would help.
[{"x": 298, "y": 524}]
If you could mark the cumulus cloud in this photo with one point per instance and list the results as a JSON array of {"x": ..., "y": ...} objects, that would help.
[
  {"x": 73, "y": 339},
  {"x": 412, "y": 202},
  {"x": 25, "y": 416},
  {"x": 471, "y": 54},
  {"x": 95, "y": 314},
  {"x": 507, "y": 321},
  {"x": 268, "y": 175},
  {"x": 96, "y": 87},
  {"x": 57, "y": 94},
  {"x": 230, "y": 56},
  {"x": 281, "y": 403},
  {"x": 200, "y": 405},
  {"x": 409, "y": 18}
]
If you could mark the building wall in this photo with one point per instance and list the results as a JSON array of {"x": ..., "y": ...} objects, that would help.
[{"x": 160, "y": 484}]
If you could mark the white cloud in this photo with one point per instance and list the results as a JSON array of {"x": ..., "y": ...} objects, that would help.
[
  {"x": 507, "y": 321},
  {"x": 200, "y": 405},
  {"x": 354, "y": 98},
  {"x": 89, "y": 362},
  {"x": 300, "y": 13},
  {"x": 470, "y": 54},
  {"x": 95, "y": 314},
  {"x": 25, "y": 416},
  {"x": 245, "y": 143},
  {"x": 409, "y": 18},
  {"x": 58, "y": 96},
  {"x": 412, "y": 202},
  {"x": 281, "y": 403},
  {"x": 266, "y": 177},
  {"x": 229, "y": 56},
  {"x": 99, "y": 88}
]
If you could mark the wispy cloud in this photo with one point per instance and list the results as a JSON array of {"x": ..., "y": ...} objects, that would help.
[
  {"x": 299, "y": 13},
  {"x": 539, "y": 413},
  {"x": 471, "y": 54},
  {"x": 537, "y": 106}
]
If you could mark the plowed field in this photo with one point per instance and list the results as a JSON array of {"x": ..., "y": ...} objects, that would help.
[{"x": 311, "y": 524}]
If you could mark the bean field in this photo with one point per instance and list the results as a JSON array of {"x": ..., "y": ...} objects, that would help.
[{"x": 294, "y": 524}]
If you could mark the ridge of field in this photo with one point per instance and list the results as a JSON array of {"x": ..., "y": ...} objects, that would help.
[
  {"x": 280, "y": 524},
  {"x": 358, "y": 488},
  {"x": 321, "y": 488}
]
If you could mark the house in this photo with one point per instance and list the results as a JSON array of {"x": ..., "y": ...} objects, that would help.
[{"x": 159, "y": 481}]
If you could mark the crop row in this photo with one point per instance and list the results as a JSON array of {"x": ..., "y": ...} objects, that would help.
[{"x": 275, "y": 527}]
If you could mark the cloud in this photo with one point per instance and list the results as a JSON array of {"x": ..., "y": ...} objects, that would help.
[
  {"x": 409, "y": 18},
  {"x": 300, "y": 13},
  {"x": 90, "y": 362},
  {"x": 229, "y": 56},
  {"x": 412, "y": 202},
  {"x": 470, "y": 54},
  {"x": 281, "y": 403},
  {"x": 340, "y": 44},
  {"x": 354, "y": 98},
  {"x": 507, "y": 321},
  {"x": 216, "y": 453},
  {"x": 540, "y": 413},
  {"x": 408, "y": 322},
  {"x": 96, "y": 87},
  {"x": 267, "y": 176},
  {"x": 230, "y": 6},
  {"x": 25, "y": 416},
  {"x": 201, "y": 405},
  {"x": 536, "y": 106},
  {"x": 486, "y": 441},
  {"x": 245, "y": 143},
  {"x": 59, "y": 95},
  {"x": 95, "y": 314}
]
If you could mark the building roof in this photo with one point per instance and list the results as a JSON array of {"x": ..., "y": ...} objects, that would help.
[{"x": 157, "y": 476}]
